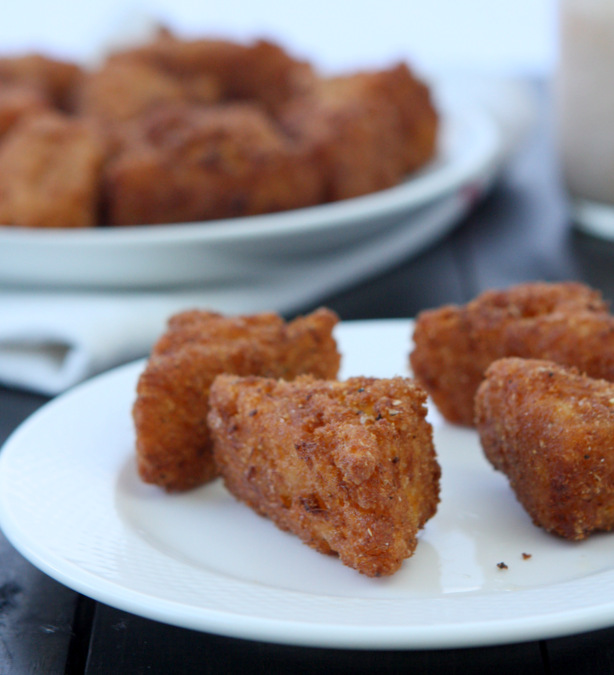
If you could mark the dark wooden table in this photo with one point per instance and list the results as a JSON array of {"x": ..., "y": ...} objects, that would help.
[{"x": 520, "y": 232}]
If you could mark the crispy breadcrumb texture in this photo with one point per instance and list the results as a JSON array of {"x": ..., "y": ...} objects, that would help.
[
  {"x": 206, "y": 163},
  {"x": 173, "y": 445},
  {"x": 565, "y": 322},
  {"x": 124, "y": 90},
  {"x": 204, "y": 129},
  {"x": 54, "y": 79},
  {"x": 550, "y": 430},
  {"x": 367, "y": 129},
  {"x": 17, "y": 101},
  {"x": 50, "y": 169},
  {"x": 210, "y": 69},
  {"x": 349, "y": 467}
]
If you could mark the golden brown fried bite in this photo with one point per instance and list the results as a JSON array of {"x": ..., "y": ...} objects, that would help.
[
  {"x": 205, "y": 163},
  {"x": 55, "y": 80},
  {"x": 172, "y": 438},
  {"x": 50, "y": 168},
  {"x": 368, "y": 129},
  {"x": 121, "y": 91},
  {"x": 564, "y": 322},
  {"x": 202, "y": 129},
  {"x": 550, "y": 430},
  {"x": 17, "y": 101},
  {"x": 261, "y": 71},
  {"x": 349, "y": 467}
]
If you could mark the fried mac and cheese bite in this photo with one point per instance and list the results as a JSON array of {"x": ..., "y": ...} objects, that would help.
[
  {"x": 550, "y": 430},
  {"x": 210, "y": 69},
  {"x": 349, "y": 467},
  {"x": 50, "y": 168},
  {"x": 170, "y": 411},
  {"x": 206, "y": 163},
  {"x": 567, "y": 322},
  {"x": 368, "y": 130},
  {"x": 17, "y": 102},
  {"x": 204, "y": 129},
  {"x": 122, "y": 91},
  {"x": 53, "y": 79}
]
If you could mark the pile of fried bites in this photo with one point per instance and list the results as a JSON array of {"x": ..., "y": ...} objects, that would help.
[
  {"x": 181, "y": 130},
  {"x": 350, "y": 466}
]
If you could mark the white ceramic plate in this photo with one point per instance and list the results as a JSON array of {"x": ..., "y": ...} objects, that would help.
[
  {"x": 231, "y": 251},
  {"x": 71, "y": 502}
]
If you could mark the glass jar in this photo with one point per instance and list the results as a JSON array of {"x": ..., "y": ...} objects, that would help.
[{"x": 585, "y": 109}]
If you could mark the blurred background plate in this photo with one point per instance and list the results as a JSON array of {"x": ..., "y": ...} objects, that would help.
[{"x": 377, "y": 229}]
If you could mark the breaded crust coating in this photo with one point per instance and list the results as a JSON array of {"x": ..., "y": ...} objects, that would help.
[
  {"x": 368, "y": 129},
  {"x": 121, "y": 91},
  {"x": 54, "y": 79},
  {"x": 550, "y": 430},
  {"x": 172, "y": 438},
  {"x": 349, "y": 467},
  {"x": 564, "y": 322},
  {"x": 50, "y": 168},
  {"x": 17, "y": 101},
  {"x": 203, "y": 129},
  {"x": 207, "y": 162},
  {"x": 261, "y": 71}
]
